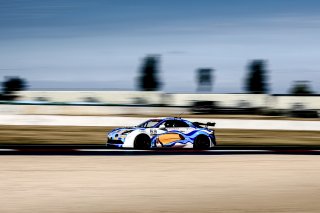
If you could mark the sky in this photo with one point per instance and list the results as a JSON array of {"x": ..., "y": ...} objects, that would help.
[{"x": 80, "y": 44}]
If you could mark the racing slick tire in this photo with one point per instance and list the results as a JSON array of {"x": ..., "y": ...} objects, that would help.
[
  {"x": 142, "y": 141},
  {"x": 201, "y": 142}
]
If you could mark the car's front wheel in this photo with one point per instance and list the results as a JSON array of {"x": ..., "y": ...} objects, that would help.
[
  {"x": 142, "y": 142},
  {"x": 201, "y": 142}
]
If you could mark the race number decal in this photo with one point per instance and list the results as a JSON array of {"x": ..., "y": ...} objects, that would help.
[{"x": 153, "y": 131}]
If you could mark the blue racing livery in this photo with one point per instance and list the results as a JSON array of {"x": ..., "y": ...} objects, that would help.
[{"x": 169, "y": 132}]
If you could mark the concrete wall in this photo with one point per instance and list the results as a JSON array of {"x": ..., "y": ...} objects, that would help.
[
  {"x": 174, "y": 99},
  {"x": 223, "y": 100},
  {"x": 291, "y": 102},
  {"x": 108, "y": 97},
  {"x": 8, "y": 109}
]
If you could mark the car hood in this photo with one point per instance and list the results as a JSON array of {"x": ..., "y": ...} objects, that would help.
[{"x": 122, "y": 130}]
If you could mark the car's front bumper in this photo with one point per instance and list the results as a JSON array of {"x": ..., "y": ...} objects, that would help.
[{"x": 112, "y": 143}]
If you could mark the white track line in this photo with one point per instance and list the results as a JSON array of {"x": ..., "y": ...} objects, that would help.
[
  {"x": 189, "y": 150},
  {"x": 63, "y": 120},
  {"x": 155, "y": 150},
  {"x": 235, "y": 150},
  {"x": 169, "y": 151},
  {"x": 110, "y": 150},
  {"x": 8, "y": 150}
]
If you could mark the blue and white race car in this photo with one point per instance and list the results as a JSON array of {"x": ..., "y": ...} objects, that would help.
[{"x": 163, "y": 133}]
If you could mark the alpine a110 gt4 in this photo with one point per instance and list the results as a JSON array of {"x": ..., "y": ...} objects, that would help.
[{"x": 163, "y": 133}]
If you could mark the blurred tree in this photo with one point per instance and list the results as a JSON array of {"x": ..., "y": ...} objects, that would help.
[
  {"x": 256, "y": 81},
  {"x": 148, "y": 81},
  {"x": 301, "y": 88},
  {"x": 204, "y": 79},
  {"x": 11, "y": 85}
]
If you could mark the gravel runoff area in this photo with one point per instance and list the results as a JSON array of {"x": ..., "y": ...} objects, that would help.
[
  {"x": 221, "y": 183},
  {"x": 97, "y": 135}
]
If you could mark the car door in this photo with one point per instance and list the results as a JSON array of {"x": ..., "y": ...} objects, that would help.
[
  {"x": 167, "y": 137},
  {"x": 176, "y": 125},
  {"x": 175, "y": 130}
]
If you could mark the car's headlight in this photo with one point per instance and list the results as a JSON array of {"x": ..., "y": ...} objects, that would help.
[{"x": 126, "y": 132}]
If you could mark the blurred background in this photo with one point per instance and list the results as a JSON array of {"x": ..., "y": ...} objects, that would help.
[
  {"x": 72, "y": 70},
  {"x": 201, "y": 59}
]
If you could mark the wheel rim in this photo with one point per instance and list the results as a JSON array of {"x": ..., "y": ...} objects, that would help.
[
  {"x": 202, "y": 143},
  {"x": 142, "y": 143},
  {"x": 145, "y": 143}
]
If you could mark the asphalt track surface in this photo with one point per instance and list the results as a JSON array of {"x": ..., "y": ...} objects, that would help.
[
  {"x": 102, "y": 150},
  {"x": 160, "y": 183},
  {"x": 91, "y": 178}
]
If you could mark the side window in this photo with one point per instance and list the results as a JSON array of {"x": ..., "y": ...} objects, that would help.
[
  {"x": 169, "y": 124},
  {"x": 178, "y": 123}
]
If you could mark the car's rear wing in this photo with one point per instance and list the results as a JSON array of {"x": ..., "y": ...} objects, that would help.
[{"x": 204, "y": 124}]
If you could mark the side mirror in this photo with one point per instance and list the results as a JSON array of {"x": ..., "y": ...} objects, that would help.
[{"x": 162, "y": 127}]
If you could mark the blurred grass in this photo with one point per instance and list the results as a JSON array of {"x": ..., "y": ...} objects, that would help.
[{"x": 97, "y": 135}]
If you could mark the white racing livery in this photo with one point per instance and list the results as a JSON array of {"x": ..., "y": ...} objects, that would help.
[{"x": 163, "y": 133}]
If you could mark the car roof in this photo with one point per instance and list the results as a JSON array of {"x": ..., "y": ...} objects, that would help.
[
  {"x": 166, "y": 119},
  {"x": 173, "y": 118},
  {"x": 163, "y": 119}
]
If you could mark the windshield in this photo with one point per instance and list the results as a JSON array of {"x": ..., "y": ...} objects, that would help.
[{"x": 149, "y": 123}]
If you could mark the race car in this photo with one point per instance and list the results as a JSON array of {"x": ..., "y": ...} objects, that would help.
[{"x": 171, "y": 132}]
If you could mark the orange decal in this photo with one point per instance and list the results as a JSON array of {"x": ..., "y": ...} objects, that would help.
[{"x": 168, "y": 138}]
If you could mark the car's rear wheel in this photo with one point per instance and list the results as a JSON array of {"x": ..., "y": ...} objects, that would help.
[
  {"x": 142, "y": 142},
  {"x": 201, "y": 142}
]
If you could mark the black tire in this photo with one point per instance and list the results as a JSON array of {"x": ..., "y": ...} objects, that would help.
[
  {"x": 142, "y": 142},
  {"x": 201, "y": 142}
]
